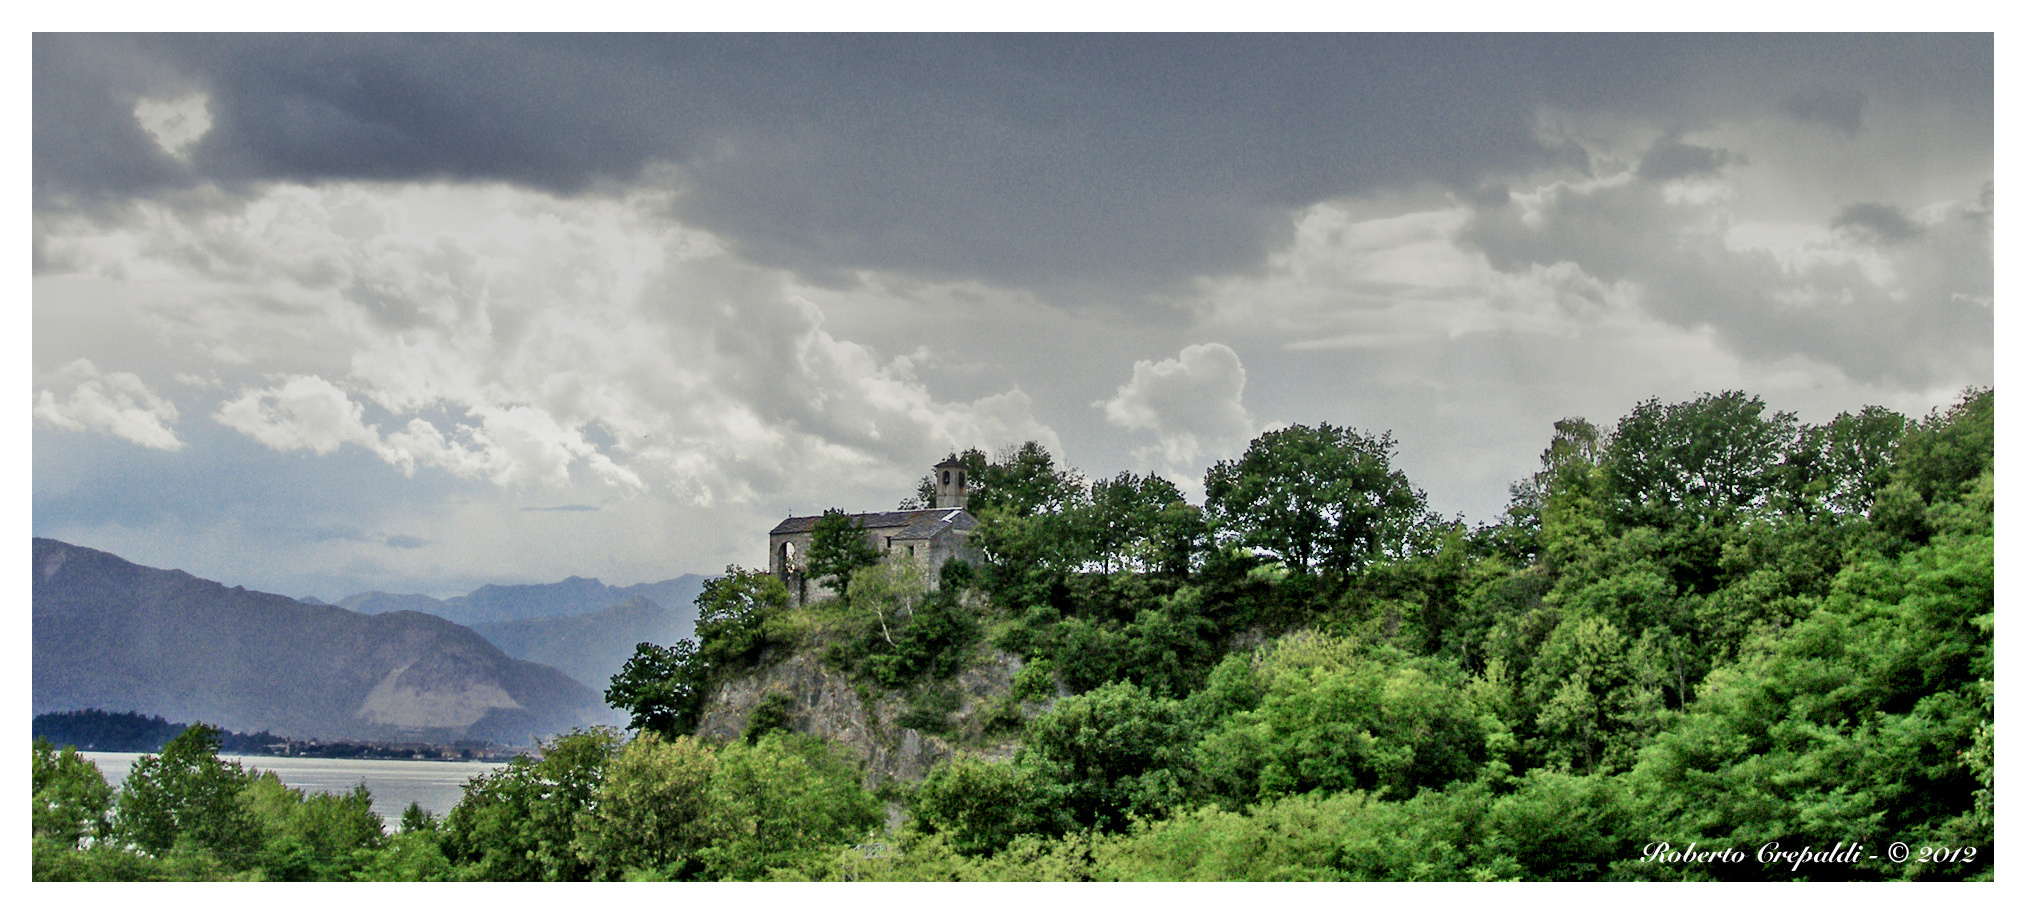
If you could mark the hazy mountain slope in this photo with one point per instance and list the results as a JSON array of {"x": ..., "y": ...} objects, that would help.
[
  {"x": 382, "y": 602},
  {"x": 115, "y": 635},
  {"x": 592, "y": 647},
  {"x": 572, "y": 596}
]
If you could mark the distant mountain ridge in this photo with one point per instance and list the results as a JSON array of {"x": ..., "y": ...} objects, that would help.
[
  {"x": 573, "y": 596},
  {"x": 593, "y": 647},
  {"x": 112, "y": 634}
]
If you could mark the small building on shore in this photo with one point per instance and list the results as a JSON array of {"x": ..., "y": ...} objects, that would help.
[{"x": 930, "y": 536}]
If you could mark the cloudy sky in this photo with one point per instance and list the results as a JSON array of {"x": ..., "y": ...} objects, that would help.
[{"x": 319, "y": 315}]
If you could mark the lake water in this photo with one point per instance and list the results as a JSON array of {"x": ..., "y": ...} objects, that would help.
[{"x": 436, "y": 785}]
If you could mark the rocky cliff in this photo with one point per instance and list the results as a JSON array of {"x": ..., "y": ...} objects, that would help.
[{"x": 826, "y": 703}]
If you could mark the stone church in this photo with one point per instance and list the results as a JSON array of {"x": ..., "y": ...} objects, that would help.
[{"x": 931, "y": 536}]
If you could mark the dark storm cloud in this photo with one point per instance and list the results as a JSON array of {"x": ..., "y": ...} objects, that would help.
[
  {"x": 1933, "y": 325},
  {"x": 1032, "y": 160},
  {"x": 1881, "y": 223},
  {"x": 1671, "y": 159},
  {"x": 1842, "y": 107}
]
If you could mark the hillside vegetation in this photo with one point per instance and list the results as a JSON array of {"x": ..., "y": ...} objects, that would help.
[{"x": 1707, "y": 642}]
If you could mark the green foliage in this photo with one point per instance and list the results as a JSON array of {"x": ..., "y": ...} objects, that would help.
[
  {"x": 313, "y": 836},
  {"x": 188, "y": 797},
  {"x": 416, "y": 819},
  {"x": 1705, "y": 460},
  {"x": 1329, "y": 715},
  {"x": 660, "y": 689},
  {"x": 649, "y": 817},
  {"x": 781, "y": 806},
  {"x": 983, "y": 806},
  {"x": 732, "y": 615},
  {"x": 771, "y": 714},
  {"x": 906, "y": 633},
  {"x": 1346, "y": 836},
  {"x": 676, "y": 809},
  {"x": 520, "y": 822},
  {"x": 1035, "y": 682},
  {"x": 72, "y": 803},
  {"x": 838, "y": 549},
  {"x": 409, "y": 857},
  {"x": 1113, "y": 753},
  {"x": 1318, "y": 499}
]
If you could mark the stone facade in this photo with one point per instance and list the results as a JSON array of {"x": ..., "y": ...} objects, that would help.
[{"x": 931, "y": 536}]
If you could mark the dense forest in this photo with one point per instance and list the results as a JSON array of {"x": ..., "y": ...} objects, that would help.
[{"x": 1707, "y": 642}]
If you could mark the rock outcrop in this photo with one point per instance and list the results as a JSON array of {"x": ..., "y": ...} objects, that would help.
[{"x": 825, "y": 702}]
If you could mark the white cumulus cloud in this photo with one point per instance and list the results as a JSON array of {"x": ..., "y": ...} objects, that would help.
[
  {"x": 513, "y": 336},
  {"x": 115, "y": 402},
  {"x": 1193, "y": 405}
]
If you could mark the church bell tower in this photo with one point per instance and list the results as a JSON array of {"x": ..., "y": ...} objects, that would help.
[{"x": 951, "y": 486}]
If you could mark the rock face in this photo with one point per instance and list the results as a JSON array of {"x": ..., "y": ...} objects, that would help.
[
  {"x": 113, "y": 635},
  {"x": 825, "y": 703}
]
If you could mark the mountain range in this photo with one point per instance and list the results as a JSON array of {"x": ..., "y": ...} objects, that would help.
[
  {"x": 571, "y": 597},
  {"x": 119, "y": 636},
  {"x": 594, "y": 646}
]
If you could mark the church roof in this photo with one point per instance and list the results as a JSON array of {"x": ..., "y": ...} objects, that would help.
[{"x": 920, "y": 524}]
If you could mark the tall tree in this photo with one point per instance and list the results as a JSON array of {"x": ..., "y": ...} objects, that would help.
[
  {"x": 1703, "y": 461},
  {"x": 660, "y": 689},
  {"x": 72, "y": 801},
  {"x": 838, "y": 549},
  {"x": 522, "y": 822},
  {"x": 189, "y": 795},
  {"x": 732, "y": 614},
  {"x": 1318, "y": 499}
]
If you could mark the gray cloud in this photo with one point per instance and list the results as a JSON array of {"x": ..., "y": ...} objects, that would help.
[
  {"x": 1928, "y": 321},
  {"x": 1102, "y": 163},
  {"x": 767, "y": 274},
  {"x": 1877, "y": 221},
  {"x": 1671, "y": 159},
  {"x": 1840, "y": 107}
]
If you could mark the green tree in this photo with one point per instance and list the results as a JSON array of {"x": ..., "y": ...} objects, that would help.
[
  {"x": 520, "y": 822},
  {"x": 661, "y": 689},
  {"x": 650, "y": 815},
  {"x": 838, "y": 549},
  {"x": 1858, "y": 456},
  {"x": 1330, "y": 714},
  {"x": 1318, "y": 499},
  {"x": 1124, "y": 522},
  {"x": 732, "y": 615},
  {"x": 1023, "y": 482},
  {"x": 73, "y": 805},
  {"x": 313, "y": 836},
  {"x": 1703, "y": 461},
  {"x": 982, "y": 806},
  {"x": 187, "y": 795},
  {"x": 781, "y": 805},
  {"x": 1113, "y": 753}
]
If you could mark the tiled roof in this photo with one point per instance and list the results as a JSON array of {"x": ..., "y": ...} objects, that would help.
[{"x": 914, "y": 525}]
